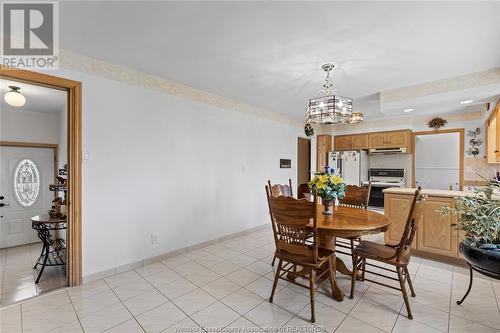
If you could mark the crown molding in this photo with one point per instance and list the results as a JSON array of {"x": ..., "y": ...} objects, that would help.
[
  {"x": 484, "y": 78},
  {"x": 80, "y": 63}
]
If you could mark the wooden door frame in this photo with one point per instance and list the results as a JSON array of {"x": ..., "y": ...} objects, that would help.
[
  {"x": 461, "y": 132},
  {"x": 74, "y": 137},
  {"x": 309, "y": 170}
]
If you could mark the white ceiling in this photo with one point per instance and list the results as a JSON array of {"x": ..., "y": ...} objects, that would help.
[
  {"x": 269, "y": 53},
  {"x": 38, "y": 98}
]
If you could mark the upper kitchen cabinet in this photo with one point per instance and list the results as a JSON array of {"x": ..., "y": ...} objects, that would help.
[
  {"x": 493, "y": 136},
  {"x": 391, "y": 139},
  {"x": 323, "y": 145},
  {"x": 399, "y": 139},
  {"x": 359, "y": 141},
  {"x": 378, "y": 140}
]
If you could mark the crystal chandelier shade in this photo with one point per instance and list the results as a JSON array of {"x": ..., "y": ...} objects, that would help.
[{"x": 331, "y": 108}]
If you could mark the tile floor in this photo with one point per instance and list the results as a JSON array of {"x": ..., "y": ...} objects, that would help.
[
  {"x": 17, "y": 277},
  {"x": 226, "y": 286}
]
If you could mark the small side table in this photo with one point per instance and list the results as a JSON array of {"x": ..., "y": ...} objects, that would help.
[{"x": 44, "y": 224}]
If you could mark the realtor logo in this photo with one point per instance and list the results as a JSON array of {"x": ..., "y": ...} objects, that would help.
[{"x": 30, "y": 35}]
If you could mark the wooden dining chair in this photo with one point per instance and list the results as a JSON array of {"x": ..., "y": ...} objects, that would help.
[
  {"x": 356, "y": 197},
  {"x": 281, "y": 189},
  {"x": 395, "y": 255},
  {"x": 277, "y": 190},
  {"x": 292, "y": 219}
]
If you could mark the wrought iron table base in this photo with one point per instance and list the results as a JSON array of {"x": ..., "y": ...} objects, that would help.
[
  {"x": 471, "y": 272},
  {"x": 47, "y": 257}
]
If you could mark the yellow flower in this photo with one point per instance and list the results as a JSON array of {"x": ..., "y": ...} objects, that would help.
[
  {"x": 320, "y": 185},
  {"x": 335, "y": 179},
  {"x": 323, "y": 178}
]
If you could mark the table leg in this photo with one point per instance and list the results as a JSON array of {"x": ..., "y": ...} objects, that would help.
[
  {"x": 328, "y": 242},
  {"x": 44, "y": 235}
]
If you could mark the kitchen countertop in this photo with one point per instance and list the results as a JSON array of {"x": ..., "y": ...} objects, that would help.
[{"x": 430, "y": 192}]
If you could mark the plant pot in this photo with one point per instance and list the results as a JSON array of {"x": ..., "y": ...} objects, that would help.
[
  {"x": 328, "y": 204},
  {"x": 484, "y": 261}
]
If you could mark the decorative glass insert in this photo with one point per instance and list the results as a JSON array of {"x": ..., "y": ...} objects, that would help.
[{"x": 26, "y": 182}]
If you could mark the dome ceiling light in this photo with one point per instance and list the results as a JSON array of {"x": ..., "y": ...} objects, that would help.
[{"x": 14, "y": 97}]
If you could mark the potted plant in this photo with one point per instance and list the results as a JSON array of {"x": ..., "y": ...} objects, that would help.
[
  {"x": 328, "y": 187},
  {"x": 479, "y": 219}
]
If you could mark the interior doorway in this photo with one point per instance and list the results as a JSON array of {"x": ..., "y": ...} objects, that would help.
[
  {"x": 303, "y": 161},
  {"x": 40, "y": 183}
]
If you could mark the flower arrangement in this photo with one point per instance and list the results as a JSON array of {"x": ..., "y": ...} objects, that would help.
[
  {"x": 479, "y": 216},
  {"x": 328, "y": 187},
  {"x": 436, "y": 123}
]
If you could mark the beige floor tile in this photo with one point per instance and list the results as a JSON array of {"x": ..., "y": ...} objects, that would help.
[
  {"x": 243, "y": 276},
  {"x": 427, "y": 315},
  {"x": 88, "y": 305},
  {"x": 161, "y": 317},
  {"x": 130, "y": 326},
  {"x": 478, "y": 308},
  {"x": 73, "y": 327},
  {"x": 244, "y": 325},
  {"x": 175, "y": 261},
  {"x": 203, "y": 277},
  {"x": 297, "y": 324},
  {"x": 163, "y": 277},
  {"x": 145, "y": 302},
  {"x": 224, "y": 268},
  {"x": 194, "y": 301},
  {"x": 10, "y": 319},
  {"x": 188, "y": 268},
  {"x": 131, "y": 289},
  {"x": 186, "y": 325},
  {"x": 263, "y": 287},
  {"x": 177, "y": 288},
  {"x": 461, "y": 325},
  {"x": 290, "y": 300},
  {"x": 209, "y": 260},
  {"x": 45, "y": 303},
  {"x": 105, "y": 319},
  {"x": 353, "y": 325},
  {"x": 384, "y": 299},
  {"x": 221, "y": 288},
  {"x": 151, "y": 269},
  {"x": 375, "y": 315},
  {"x": 214, "y": 316},
  {"x": 260, "y": 267},
  {"x": 269, "y": 316},
  {"x": 242, "y": 301},
  {"x": 326, "y": 317},
  {"x": 404, "y": 325},
  {"x": 88, "y": 289},
  {"x": 48, "y": 320},
  {"x": 122, "y": 278},
  {"x": 196, "y": 254},
  {"x": 242, "y": 260}
]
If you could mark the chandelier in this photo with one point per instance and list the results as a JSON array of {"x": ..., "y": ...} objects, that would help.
[{"x": 331, "y": 108}]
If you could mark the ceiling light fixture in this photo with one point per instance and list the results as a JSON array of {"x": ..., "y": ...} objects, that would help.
[
  {"x": 331, "y": 108},
  {"x": 408, "y": 110},
  {"x": 467, "y": 101},
  {"x": 14, "y": 97}
]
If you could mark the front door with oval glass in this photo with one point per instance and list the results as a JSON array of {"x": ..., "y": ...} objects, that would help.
[{"x": 25, "y": 175}]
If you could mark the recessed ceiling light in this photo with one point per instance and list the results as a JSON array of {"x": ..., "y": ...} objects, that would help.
[
  {"x": 408, "y": 110},
  {"x": 467, "y": 101}
]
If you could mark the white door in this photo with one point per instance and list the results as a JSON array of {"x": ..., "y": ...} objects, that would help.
[{"x": 25, "y": 175}]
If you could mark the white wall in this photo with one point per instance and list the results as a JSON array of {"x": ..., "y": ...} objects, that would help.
[
  {"x": 28, "y": 126},
  {"x": 162, "y": 164}
]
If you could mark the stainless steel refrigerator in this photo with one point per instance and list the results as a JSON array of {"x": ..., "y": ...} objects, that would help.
[{"x": 351, "y": 165}]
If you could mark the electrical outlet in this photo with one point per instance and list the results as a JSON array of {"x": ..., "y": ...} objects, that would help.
[{"x": 155, "y": 239}]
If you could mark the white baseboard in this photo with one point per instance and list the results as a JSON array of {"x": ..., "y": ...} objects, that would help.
[{"x": 123, "y": 268}]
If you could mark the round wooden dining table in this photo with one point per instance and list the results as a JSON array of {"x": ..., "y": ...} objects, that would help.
[{"x": 347, "y": 222}]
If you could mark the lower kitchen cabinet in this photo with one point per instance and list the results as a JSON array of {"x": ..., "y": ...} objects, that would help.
[{"x": 435, "y": 237}]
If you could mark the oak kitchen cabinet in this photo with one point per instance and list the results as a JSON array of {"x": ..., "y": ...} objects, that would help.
[
  {"x": 493, "y": 136},
  {"x": 390, "y": 139},
  {"x": 435, "y": 238},
  {"x": 323, "y": 146}
]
